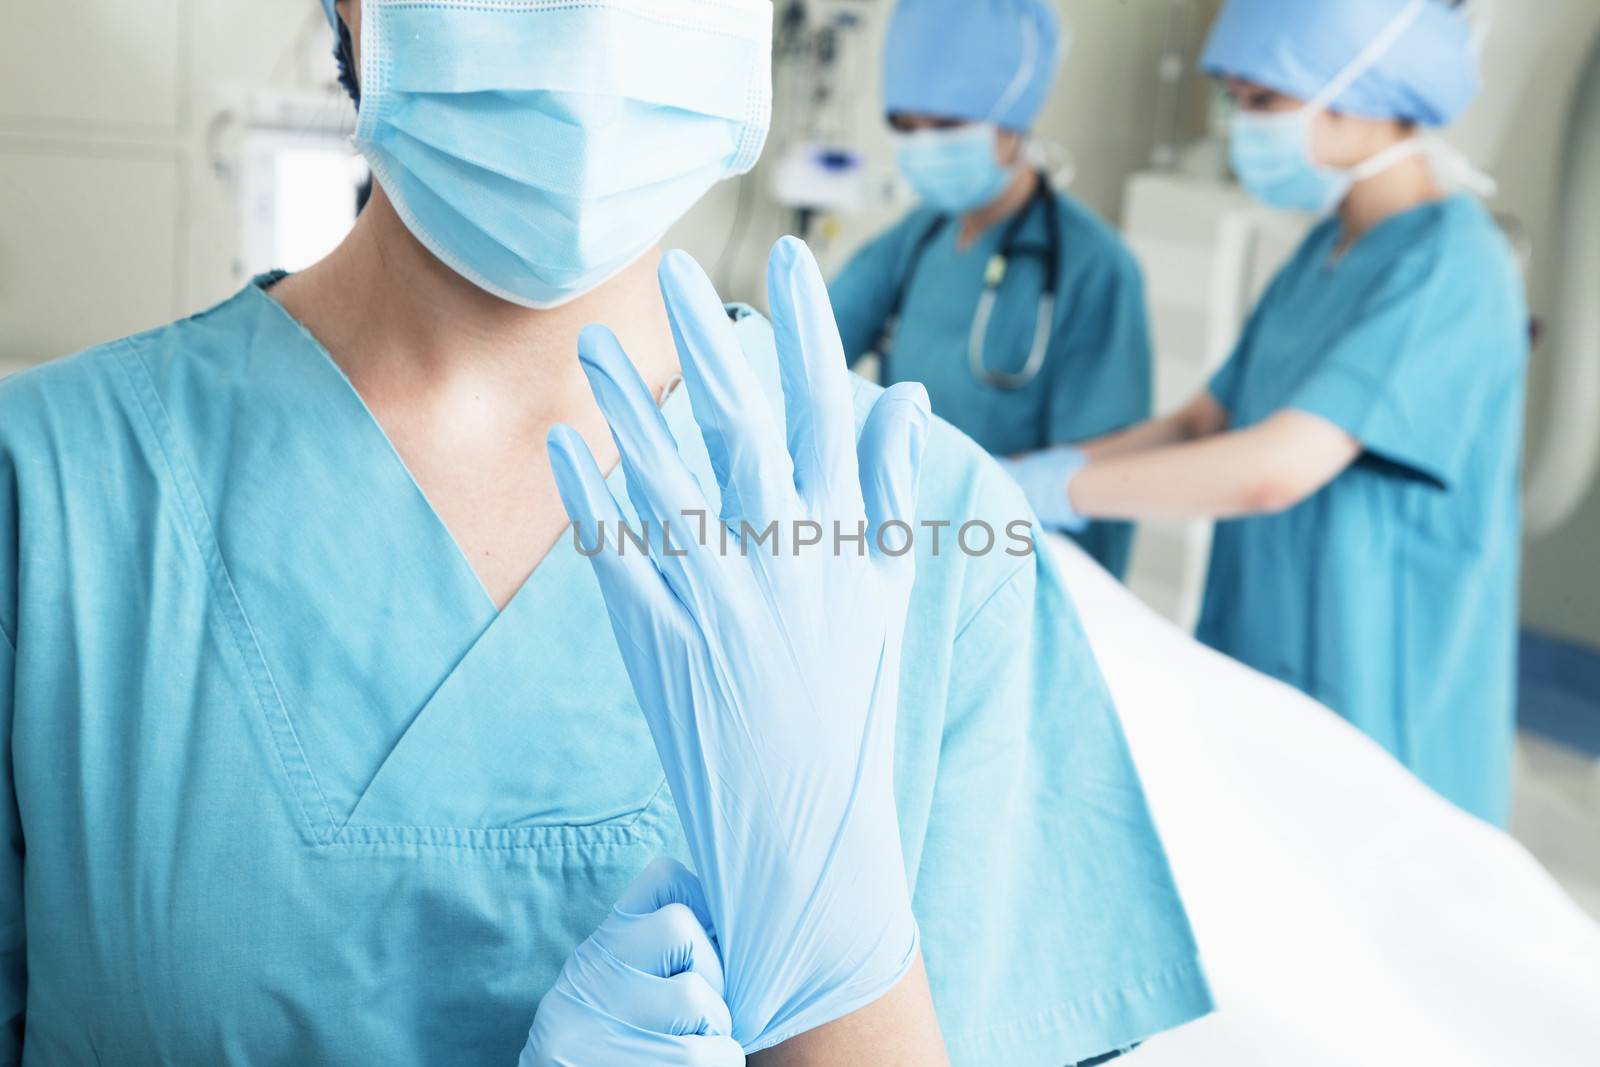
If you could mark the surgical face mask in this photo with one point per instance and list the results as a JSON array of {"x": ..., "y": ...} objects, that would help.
[
  {"x": 1271, "y": 154},
  {"x": 1271, "y": 151},
  {"x": 953, "y": 170},
  {"x": 540, "y": 148}
]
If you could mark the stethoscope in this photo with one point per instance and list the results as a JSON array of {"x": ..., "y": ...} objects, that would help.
[{"x": 994, "y": 275}]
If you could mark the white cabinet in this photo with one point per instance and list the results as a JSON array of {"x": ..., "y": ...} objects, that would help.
[
  {"x": 88, "y": 249},
  {"x": 1208, "y": 252}
]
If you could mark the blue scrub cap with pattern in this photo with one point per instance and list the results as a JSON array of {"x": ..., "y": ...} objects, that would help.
[
  {"x": 976, "y": 60},
  {"x": 1298, "y": 47}
]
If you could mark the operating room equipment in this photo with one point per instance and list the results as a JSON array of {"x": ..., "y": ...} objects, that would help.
[
  {"x": 454, "y": 93},
  {"x": 645, "y": 988},
  {"x": 815, "y": 176},
  {"x": 995, "y": 272},
  {"x": 769, "y": 675},
  {"x": 1428, "y": 936},
  {"x": 819, "y": 170}
]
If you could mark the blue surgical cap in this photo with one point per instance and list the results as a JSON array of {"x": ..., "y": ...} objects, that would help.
[
  {"x": 333, "y": 16},
  {"x": 978, "y": 60},
  {"x": 1297, "y": 47}
]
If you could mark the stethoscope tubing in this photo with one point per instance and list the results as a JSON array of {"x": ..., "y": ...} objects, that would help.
[{"x": 995, "y": 273}]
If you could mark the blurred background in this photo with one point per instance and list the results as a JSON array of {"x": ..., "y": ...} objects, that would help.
[{"x": 155, "y": 154}]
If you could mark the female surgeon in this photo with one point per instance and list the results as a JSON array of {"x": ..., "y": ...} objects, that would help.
[
  {"x": 1020, "y": 311},
  {"x": 319, "y": 745},
  {"x": 1363, "y": 440}
]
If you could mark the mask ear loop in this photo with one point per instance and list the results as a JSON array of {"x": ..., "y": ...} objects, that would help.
[{"x": 1384, "y": 160}]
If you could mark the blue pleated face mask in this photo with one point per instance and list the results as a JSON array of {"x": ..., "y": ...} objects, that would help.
[
  {"x": 1271, "y": 154},
  {"x": 538, "y": 148},
  {"x": 953, "y": 170}
]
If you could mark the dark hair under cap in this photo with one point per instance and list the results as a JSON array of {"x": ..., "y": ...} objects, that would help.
[{"x": 344, "y": 51}]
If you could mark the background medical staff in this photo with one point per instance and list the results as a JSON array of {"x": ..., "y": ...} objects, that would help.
[
  {"x": 1021, "y": 312},
  {"x": 1366, "y": 433}
]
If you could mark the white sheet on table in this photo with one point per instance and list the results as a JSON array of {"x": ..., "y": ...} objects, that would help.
[{"x": 1345, "y": 913}]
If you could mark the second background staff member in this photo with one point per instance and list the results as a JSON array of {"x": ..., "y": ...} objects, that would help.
[
  {"x": 1021, "y": 312},
  {"x": 1363, "y": 441}
]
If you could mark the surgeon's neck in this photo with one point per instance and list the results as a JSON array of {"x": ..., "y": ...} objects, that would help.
[
  {"x": 1016, "y": 196},
  {"x": 399, "y": 323},
  {"x": 1408, "y": 184}
]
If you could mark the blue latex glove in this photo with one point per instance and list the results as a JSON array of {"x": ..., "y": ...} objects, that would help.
[
  {"x": 1044, "y": 478},
  {"x": 645, "y": 988},
  {"x": 769, "y": 679}
]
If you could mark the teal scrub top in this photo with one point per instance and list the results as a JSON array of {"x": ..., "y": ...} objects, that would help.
[
  {"x": 283, "y": 787},
  {"x": 1391, "y": 594},
  {"x": 1097, "y": 372}
]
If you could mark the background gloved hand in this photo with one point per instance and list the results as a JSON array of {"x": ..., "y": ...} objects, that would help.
[
  {"x": 1044, "y": 478},
  {"x": 646, "y": 988},
  {"x": 769, "y": 677}
]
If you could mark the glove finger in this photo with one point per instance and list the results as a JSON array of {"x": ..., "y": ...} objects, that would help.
[
  {"x": 666, "y": 942},
  {"x": 666, "y": 881},
  {"x": 660, "y": 485},
  {"x": 712, "y": 1051},
  {"x": 677, "y": 1005},
  {"x": 818, "y": 399},
  {"x": 890, "y": 451},
  {"x": 629, "y": 581},
  {"x": 747, "y": 452},
  {"x": 693, "y": 1006},
  {"x": 633, "y": 1019}
]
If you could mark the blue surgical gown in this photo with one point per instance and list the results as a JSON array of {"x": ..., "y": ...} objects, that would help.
[
  {"x": 281, "y": 785},
  {"x": 1097, "y": 372},
  {"x": 1391, "y": 594}
]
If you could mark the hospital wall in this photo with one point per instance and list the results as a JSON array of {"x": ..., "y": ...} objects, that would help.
[
  {"x": 120, "y": 200},
  {"x": 116, "y": 212}
]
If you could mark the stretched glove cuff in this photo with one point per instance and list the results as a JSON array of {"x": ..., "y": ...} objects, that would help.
[{"x": 869, "y": 986}]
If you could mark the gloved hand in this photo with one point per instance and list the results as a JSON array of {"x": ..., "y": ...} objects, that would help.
[
  {"x": 1044, "y": 478},
  {"x": 646, "y": 988},
  {"x": 769, "y": 677}
]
